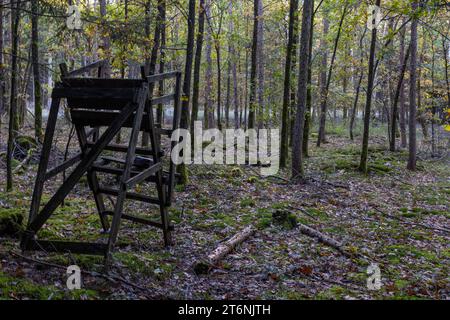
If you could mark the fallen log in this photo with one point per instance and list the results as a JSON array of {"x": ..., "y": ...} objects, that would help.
[
  {"x": 323, "y": 239},
  {"x": 24, "y": 161},
  {"x": 204, "y": 266}
]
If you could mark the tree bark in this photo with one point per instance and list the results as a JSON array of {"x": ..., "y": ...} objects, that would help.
[
  {"x": 293, "y": 15},
  {"x": 2, "y": 69},
  {"x": 323, "y": 82},
  {"x": 412, "y": 158},
  {"x": 234, "y": 61},
  {"x": 402, "y": 120},
  {"x": 260, "y": 67},
  {"x": 197, "y": 65},
  {"x": 367, "y": 111},
  {"x": 253, "y": 71},
  {"x": 308, "y": 115},
  {"x": 106, "y": 45},
  {"x": 209, "y": 114},
  {"x": 36, "y": 71},
  {"x": 162, "y": 59},
  {"x": 324, "y": 98},
  {"x": 297, "y": 152},
  {"x": 447, "y": 80},
  {"x": 184, "y": 124},
  {"x": 13, "y": 125}
]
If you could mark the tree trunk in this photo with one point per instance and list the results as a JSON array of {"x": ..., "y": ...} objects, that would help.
[
  {"x": 297, "y": 152},
  {"x": 402, "y": 119},
  {"x": 2, "y": 69},
  {"x": 447, "y": 80},
  {"x": 13, "y": 125},
  {"x": 260, "y": 67},
  {"x": 234, "y": 61},
  {"x": 412, "y": 159},
  {"x": 293, "y": 15},
  {"x": 162, "y": 62},
  {"x": 358, "y": 85},
  {"x": 395, "y": 102},
  {"x": 208, "y": 110},
  {"x": 323, "y": 82},
  {"x": 36, "y": 72},
  {"x": 253, "y": 71},
  {"x": 197, "y": 65},
  {"x": 324, "y": 98},
  {"x": 219, "y": 82},
  {"x": 106, "y": 46},
  {"x": 184, "y": 124},
  {"x": 371, "y": 77},
  {"x": 308, "y": 116}
]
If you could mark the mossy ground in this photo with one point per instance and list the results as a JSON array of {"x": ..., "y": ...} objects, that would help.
[{"x": 390, "y": 216}]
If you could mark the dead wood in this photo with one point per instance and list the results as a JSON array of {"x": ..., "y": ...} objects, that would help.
[{"x": 203, "y": 267}]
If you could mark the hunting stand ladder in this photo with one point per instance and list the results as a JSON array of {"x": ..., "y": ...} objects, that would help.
[{"x": 113, "y": 104}]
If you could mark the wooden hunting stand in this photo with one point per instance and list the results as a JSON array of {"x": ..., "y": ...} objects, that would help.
[{"x": 112, "y": 104}]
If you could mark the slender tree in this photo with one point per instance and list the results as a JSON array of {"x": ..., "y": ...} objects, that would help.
[
  {"x": 184, "y": 124},
  {"x": 2, "y": 69},
  {"x": 402, "y": 111},
  {"x": 325, "y": 93},
  {"x": 358, "y": 84},
  {"x": 105, "y": 40},
  {"x": 254, "y": 65},
  {"x": 412, "y": 159},
  {"x": 13, "y": 121},
  {"x": 395, "y": 114},
  {"x": 293, "y": 15},
  {"x": 309, "y": 102},
  {"x": 323, "y": 81},
  {"x": 367, "y": 110},
  {"x": 36, "y": 72},
  {"x": 197, "y": 65},
  {"x": 260, "y": 70},
  {"x": 297, "y": 152}
]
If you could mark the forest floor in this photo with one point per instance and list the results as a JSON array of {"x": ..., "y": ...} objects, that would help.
[{"x": 392, "y": 217}]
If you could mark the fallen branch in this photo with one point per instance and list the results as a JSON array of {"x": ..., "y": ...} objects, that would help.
[
  {"x": 24, "y": 161},
  {"x": 222, "y": 250},
  {"x": 323, "y": 239},
  {"x": 410, "y": 223},
  {"x": 111, "y": 278}
]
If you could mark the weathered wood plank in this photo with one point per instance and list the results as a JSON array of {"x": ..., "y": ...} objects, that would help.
[
  {"x": 63, "y": 166},
  {"x": 143, "y": 175},
  {"x": 140, "y": 220},
  {"x": 86, "y": 68},
  {"x": 81, "y": 169},
  {"x": 124, "y": 148},
  {"x": 130, "y": 195}
]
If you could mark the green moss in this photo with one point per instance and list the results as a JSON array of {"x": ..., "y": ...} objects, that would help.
[
  {"x": 285, "y": 219},
  {"x": 334, "y": 293},
  {"x": 13, "y": 287},
  {"x": 150, "y": 264},
  {"x": 252, "y": 179},
  {"x": 11, "y": 222},
  {"x": 399, "y": 251},
  {"x": 248, "y": 202}
]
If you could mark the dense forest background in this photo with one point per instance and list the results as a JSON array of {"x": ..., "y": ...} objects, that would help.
[
  {"x": 363, "y": 111},
  {"x": 245, "y": 63}
]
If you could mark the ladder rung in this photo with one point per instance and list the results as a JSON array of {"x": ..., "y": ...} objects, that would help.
[
  {"x": 140, "y": 220},
  {"x": 143, "y": 175},
  {"x": 119, "y": 172},
  {"x": 129, "y": 195},
  {"x": 124, "y": 148}
]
